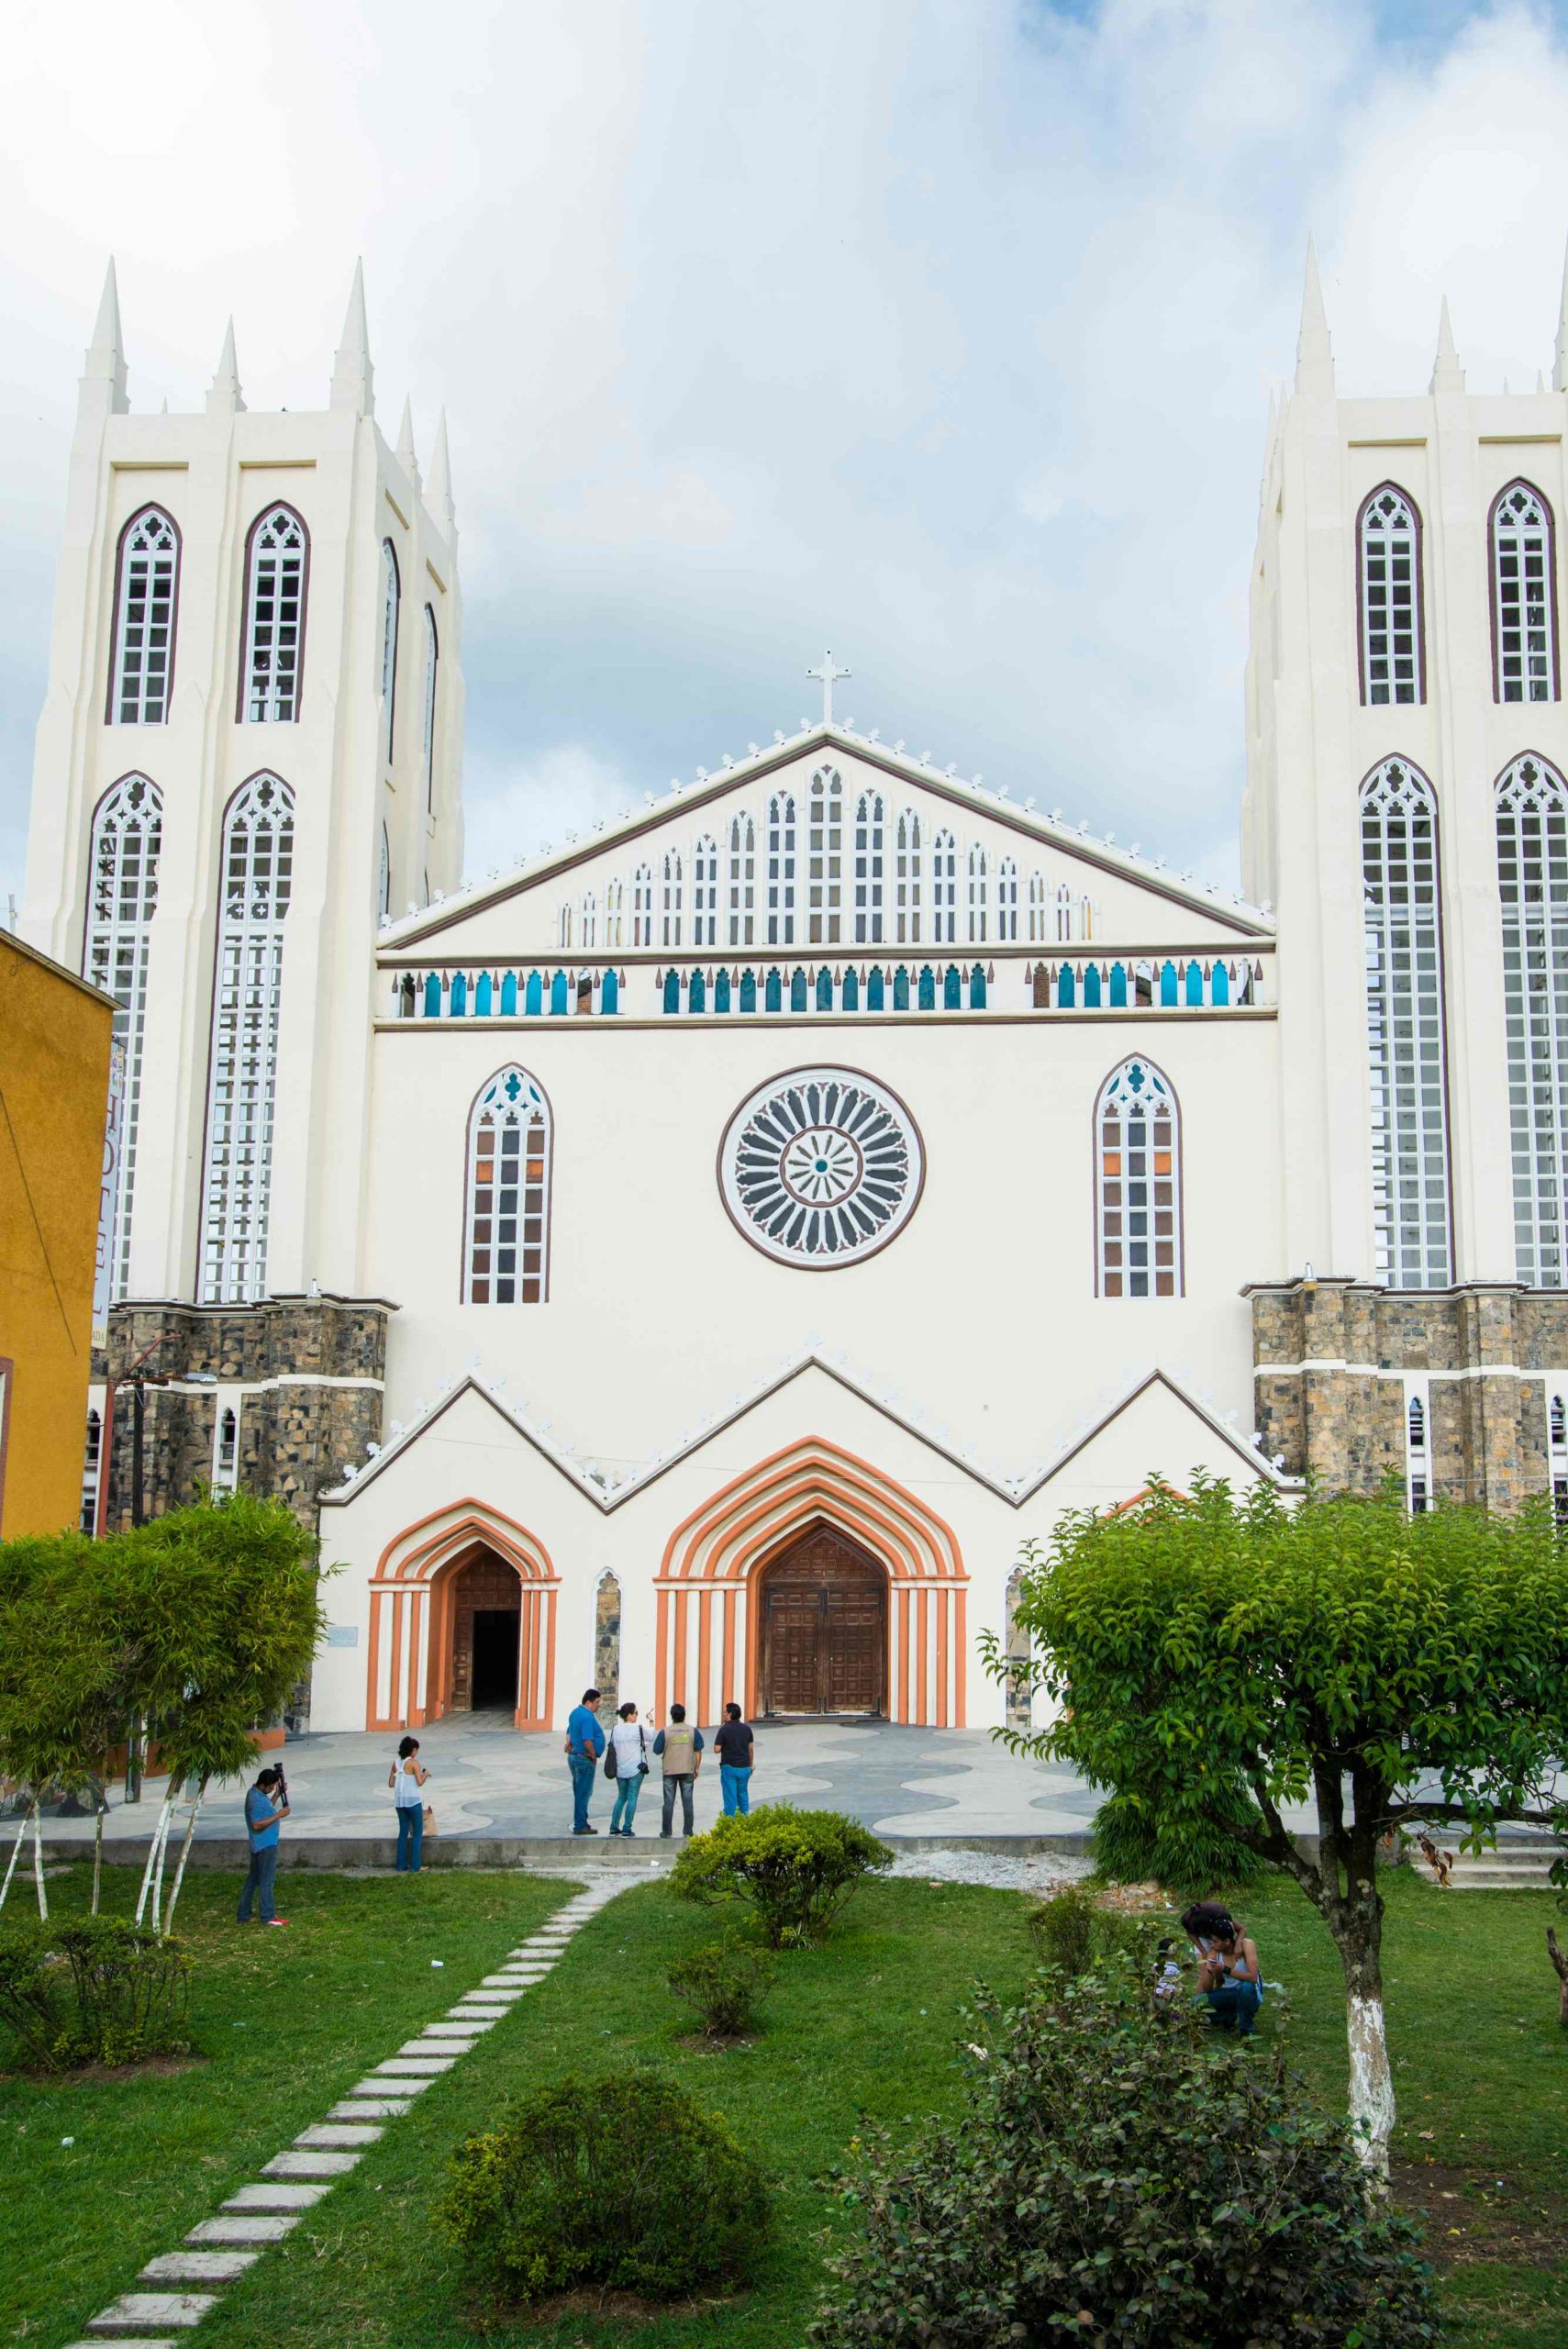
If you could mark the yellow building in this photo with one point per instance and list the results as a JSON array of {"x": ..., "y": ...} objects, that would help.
[{"x": 55, "y": 1034}]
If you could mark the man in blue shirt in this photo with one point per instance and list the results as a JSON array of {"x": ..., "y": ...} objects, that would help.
[
  {"x": 265, "y": 1805},
  {"x": 584, "y": 1743}
]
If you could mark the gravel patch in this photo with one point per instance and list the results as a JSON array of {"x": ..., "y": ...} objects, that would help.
[{"x": 1035, "y": 1872}]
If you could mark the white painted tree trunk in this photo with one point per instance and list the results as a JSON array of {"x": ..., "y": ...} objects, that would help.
[
  {"x": 98, "y": 1854},
  {"x": 1371, "y": 2086},
  {"x": 154, "y": 1859},
  {"x": 15, "y": 1855},
  {"x": 38, "y": 1863},
  {"x": 184, "y": 1855}
]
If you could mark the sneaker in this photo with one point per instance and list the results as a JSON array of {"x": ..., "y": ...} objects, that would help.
[
  {"x": 585, "y": 1831},
  {"x": 277, "y": 1921}
]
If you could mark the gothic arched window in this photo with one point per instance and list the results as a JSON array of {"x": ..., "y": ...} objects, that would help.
[
  {"x": 1037, "y": 909},
  {"x": 670, "y": 872},
  {"x": 383, "y": 880},
  {"x": 257, "y": 880},
  {"x": 704, "y": 892},
  {"x": 1389, "y": 579},
  {"x": 588, "y": 923},
  {"x": 122, "y": 896},
  {"x": 390, "y": 597},
  {"x": 276, "y": 566},
  {"x": 1524, "y": 596},
  {"x": 505, "y": 1238},
  {"x": 869, "y": 836},
  {"x": 979, "y": 891},
  {"x": 147, "y": 587},
  {"x": 1404, "y": 1027},
  {"x": 907, "y": 877},
  {"x": 944, "y": 889},
  {"x": 615, "y": 902},
  {"x": 432, "y": 663},
  {"x": 781, "y": 870},
  {"x": 1007, "y": 903},
  {"x": 742, "y": 879},
  {"x": 1137, "y": 1184},
  {"x": 825, "y": 858},
  {"x": 642, "y": 905},
  {"x": 1532, "y": 880}
]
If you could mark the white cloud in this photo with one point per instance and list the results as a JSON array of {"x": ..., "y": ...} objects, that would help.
[{"x": 937, "y": 334}]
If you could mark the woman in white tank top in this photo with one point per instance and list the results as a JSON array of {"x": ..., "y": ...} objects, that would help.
[{"x": 406, "y": 1779}]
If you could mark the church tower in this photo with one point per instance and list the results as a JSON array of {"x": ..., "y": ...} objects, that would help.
[
  {"x": 248, "y": 763},
  {"x": 1406, "y": 813}
]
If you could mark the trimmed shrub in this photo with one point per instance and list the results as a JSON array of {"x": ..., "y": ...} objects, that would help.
[
  {"x": 1072, "y": 1933},
  {"x": 96, "y": 1991},
  {"x": 623, "y": 2183},
  {"x": 726, "y": 1981},
  {"x": 1116, "y": 2179},
  {"x": 1192, "y": 1854},
  {"x": 797, "y": 1868}
]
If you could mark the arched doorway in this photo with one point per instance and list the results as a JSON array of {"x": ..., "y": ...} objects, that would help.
[
  {"x": 823, "y": 1634},
  {"x": 486, "y": 1614}
]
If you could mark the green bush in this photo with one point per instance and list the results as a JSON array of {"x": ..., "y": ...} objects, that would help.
[
  {"x": 1115, "y": 2179},
  {"x": 796, "y": 1867},
  {"x": 1072, "y": 1933},
  {"x": 96, "y": 1991},
  {"x": 623, "y": 2183},
  {"x": 1191, "y": 1851},
  {"x": 725, "y": 1981}
]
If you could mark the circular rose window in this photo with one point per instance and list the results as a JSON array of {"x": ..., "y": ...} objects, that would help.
[{"x": 822, "y": 1167}]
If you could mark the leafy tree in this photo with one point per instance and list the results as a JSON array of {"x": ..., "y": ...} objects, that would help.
[
  {"x": 61, "y": 1671},
  {"x": 1214, "y": 1659},
  {"x": 795, "y": 1868}
]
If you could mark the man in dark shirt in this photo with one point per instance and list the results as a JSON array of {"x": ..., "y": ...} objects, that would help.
[{"x": 733, "y": 1745}]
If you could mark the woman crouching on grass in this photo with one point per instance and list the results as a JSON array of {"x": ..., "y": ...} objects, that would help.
[{"x": 1229, "y": 1980}]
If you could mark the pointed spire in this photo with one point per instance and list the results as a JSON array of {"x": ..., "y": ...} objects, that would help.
[
  {"x": 1539, "y": 381},
  {"x": 405, "y": 457},
  {"x": 1448, "y": 376},
  {"x": 1314, "y": 351},
  {"x": 223, "y": 396},
  {"x": 1560, "y": 365},
  {"x": 103, "y": 372},
  {"x": 353, "y": 378},
  {"x": 439, "y": 489}
]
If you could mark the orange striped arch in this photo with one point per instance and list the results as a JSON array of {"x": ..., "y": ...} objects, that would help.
[{"x": 412, "y": 1615}]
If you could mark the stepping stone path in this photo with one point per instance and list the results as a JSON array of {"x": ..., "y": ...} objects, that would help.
[{"x": 221, "y": 2250}]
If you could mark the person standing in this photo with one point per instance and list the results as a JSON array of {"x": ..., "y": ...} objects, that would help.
[
  {"x": 406, "y": 1777},
  {"x": 680, "y": 1748},
  {"x": 629, "y": 1740},
  {"x": 584, "y": 1743},
  {"x": 265, "y": 1805},
  {"x": 733, "y": 1743}
]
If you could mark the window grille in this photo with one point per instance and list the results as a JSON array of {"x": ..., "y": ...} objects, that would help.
[
  {"x": 907, "y": 879},
  {"x": 742, "y": 880},
  {"x": 432, "y": 663},
  {"x": 944, "y": 889},
  {"x": 588, "y": 923},
  {"x": 390, "y": 598},
  {"x": 979, "y": 890},
  {"x": 825, "y": 860},
  {"x": 1007, "y": 903},
  {"x": 1532, "y": 880},
  {"x": 274, "y": 617},
  {"x": 505, "y": 1248},
  {"x": 144, "y": 638},
  {"x": 122, "y": 896},
  {"x": 1524, "y": 601},
  {"x": 257, "y": 874},
  {"x": 563, "y": 927},
  {"x": 615, "y": 901},
  {"x": 1390, "y": 598},
  {"x": 1085, "y": 919},
  {"x": 1037, "y": 933},
  {"x": 92, "y": 1467},
  {"x": 1063, "y": 914},
  {"x": 704, "y": 892},
  {"x": 1138, "y": 1188},
  {"x": 225, "y": 1453},
  {"x": 1418, "y": 1467},
  {"x": 1557, "y": 1441},
  {"x": 1405, "y": 1028},
  {"x": 870, "y": 829},
  {"x": 671, "y": 897},
  {"x": 642, "y": 905},
  {"x": 781, "y": 870}
]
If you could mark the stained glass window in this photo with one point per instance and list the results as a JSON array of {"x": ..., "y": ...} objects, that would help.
[
  {"x": 506, "y": 1250},
  {"x": 1137, "y": 1167},
  {"x": 144, "y": 637}
]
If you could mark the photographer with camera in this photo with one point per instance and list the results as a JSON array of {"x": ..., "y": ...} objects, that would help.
[{"x": 266, "y": 1804}]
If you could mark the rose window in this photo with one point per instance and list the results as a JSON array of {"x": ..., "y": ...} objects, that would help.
[{"x": 822, "y": 1167}]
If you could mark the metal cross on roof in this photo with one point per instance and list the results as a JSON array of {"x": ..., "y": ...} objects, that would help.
[{"x": 829, "y": 673}]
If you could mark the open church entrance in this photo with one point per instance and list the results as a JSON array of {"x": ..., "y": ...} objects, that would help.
[
  {"x": 824, "y": 1627},
  {"x": 487, "y": 1615}
]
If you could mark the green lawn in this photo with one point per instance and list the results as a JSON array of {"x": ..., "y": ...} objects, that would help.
[{"x": 862, "y": 2027}]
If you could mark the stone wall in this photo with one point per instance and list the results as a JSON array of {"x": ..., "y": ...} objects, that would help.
[{"x": 1329, "y": 1358}]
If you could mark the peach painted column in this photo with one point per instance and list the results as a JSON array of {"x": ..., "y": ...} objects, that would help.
[
  {"x": 548, "y": 1655},
  {"x": 678, "y": 1680},
  {"x": 375, "y": 1708},
  {"x": 922, "y": 1655},
  {"x": 726, "y": 1669},
  {"x": 960, "y": 1657},
  {"x": 941, "y": 1599},
  {"x": 661, "y": 1653},
  {"x": 902, "y": 1713},
  {"x": 705, "y": 1639}
]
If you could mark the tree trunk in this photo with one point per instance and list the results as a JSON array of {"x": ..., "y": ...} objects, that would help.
[
  {"x": 99, "y": 1857},
  {"x": 15, "y": 1855},
  {"x": 38, "y": 1863},
  {"x": 155, "y": 1853},
  {"x": 1560, "y": 1960},
  {"x": 184, "y": 1855}
]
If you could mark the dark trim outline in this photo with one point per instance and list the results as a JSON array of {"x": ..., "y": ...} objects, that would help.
[
  {"x": 829, "y": 1069},
  {"x": 462, "y": 1276},
  {"x": 1180, "y": 1156}
]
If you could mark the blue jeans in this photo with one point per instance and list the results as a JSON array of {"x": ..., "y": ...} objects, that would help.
[
  {"x": 258, "y": 1885},
  {"x": 1234, "y": 2006},
  {"x": 735, "y": 1783},
  {"x": 410, "y": 1835},
  {"x": 625, "y": 1811},
  {"x": 582, "y": 1767}
]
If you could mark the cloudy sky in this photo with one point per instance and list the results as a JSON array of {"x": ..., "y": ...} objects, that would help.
[{"x": 940, "y": 331}]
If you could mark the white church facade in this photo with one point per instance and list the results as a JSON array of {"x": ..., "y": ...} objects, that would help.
[{"x": 698, "y": 1259}]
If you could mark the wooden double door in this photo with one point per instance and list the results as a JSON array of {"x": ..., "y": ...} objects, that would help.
[{"x": 824, "y": 1627}]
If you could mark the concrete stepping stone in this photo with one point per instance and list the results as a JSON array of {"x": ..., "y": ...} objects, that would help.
[
  {"x": 402, "y": 2084},
  {"x": 370, "y": 2108},
  {"x": 449, "y": 2029},
  {"x": 502, "y": 1982},
  {"x": 303, "y": 2164},
  {"x": 339, "y": 2133},
  {"x": 258, "y": 2230},
  {"x": 275, "y": 2195},
  {"x": 428, "y": 2050},
  {"x": 124, "y": 2341},
  {"x": 198, "y": 2267},
  {"x": 399, "y": 2067},
  {"x": 144, "y": 2312}
]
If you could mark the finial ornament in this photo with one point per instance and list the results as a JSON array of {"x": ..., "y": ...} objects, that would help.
[
  {"x": 1448, "y": 376},
  {"x": 1314, "y": 351},
  {"x": 103, "y": 371},
  {"x": 830, "y": 673},
  {"x": 353, "y": 378}
]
